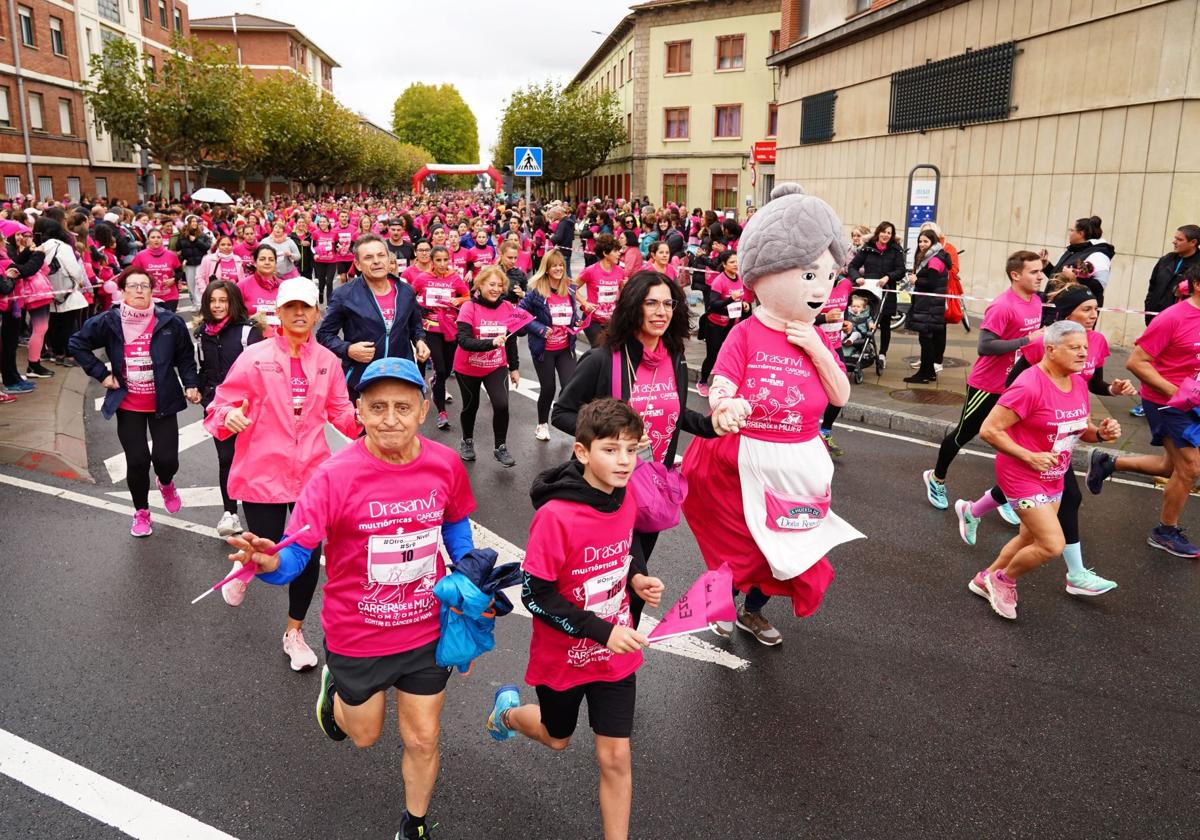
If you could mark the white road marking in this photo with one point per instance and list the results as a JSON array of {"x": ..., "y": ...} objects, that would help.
[
  {"x": 102, "y": 799},
  {"x": 99, "y": 403},
  {"x": 190, "y": 435}
]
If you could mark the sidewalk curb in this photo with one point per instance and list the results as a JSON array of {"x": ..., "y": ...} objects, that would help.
[{"x": 69, "y": 457}]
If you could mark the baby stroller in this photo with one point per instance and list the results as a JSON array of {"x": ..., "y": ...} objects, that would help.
[{"x": 859, "y": 349}]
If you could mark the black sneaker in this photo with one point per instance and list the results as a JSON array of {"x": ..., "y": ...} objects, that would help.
[
  {"x": 325, "y": 717},
  {"x": 410, "y": 829},
  {"x": 37, "y": 371},
  {"x": 1101, "y": 465},
  {"x": 503, "y": 456},
  {"x": 466, "y": 450},
  {"x": 65, "y": 361}
]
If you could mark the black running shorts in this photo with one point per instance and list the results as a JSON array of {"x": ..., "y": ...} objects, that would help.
[
  {"x": 610, "y": 707},
  {"x": 358, "y": 678}
]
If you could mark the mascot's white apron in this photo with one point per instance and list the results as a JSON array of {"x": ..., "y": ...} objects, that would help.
[{"x": 785, "y": 497}]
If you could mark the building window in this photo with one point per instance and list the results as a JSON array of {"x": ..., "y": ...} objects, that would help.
[
  {"x": 724, "y": 192},
  {"x": 176, "y": 189},
  {"x": 731, "y": 52},
  {"x": 162, "y": 12},
  {"x": 675, "y": 188},
  {"x": 628, "y": 127},
  {"x": 101, "y": 188},
  {"x": 861, "y": 6},
  {"x": 816, "y": 117},
  {"x": 36, "y": 121},
  {"x": 774, "y": 40},
  {"x": 5, "y": 116},
  {"x": 122, "y": 150},
  {"x": 151, "y": 68},
  {"x": 73, "y": 189},
  {"x": 147, "y": 13},
  {"x": 25, "y": 17},
  {"x": 12, "y": 186},
  {"x": 800, "y": 18},
  {"x": 109, "y": 10},
  {"x": 629, "y": 66},
  {"x": 727, "y": 122},
  {"x": 91, "y": 46},
  {"x": 772, "y": 119},
  {"x": 675, "y": 123},
  {"x": 975, "y": 87},
  {"x": 679, "y": 57},
  {"x": 56, "y": 36},
  {"x": 178, "y": 21},
  {"x": 45, "y": 188},
  {"x": 622, "y": 76},
  {"x": 66, "y": 122}
]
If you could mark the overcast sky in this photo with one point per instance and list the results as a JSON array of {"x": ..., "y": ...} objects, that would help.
[{"x": 476, "y": 46}]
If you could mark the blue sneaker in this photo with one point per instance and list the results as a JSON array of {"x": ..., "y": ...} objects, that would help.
[
  {"x": 968, "y": 525},
  {"x": 507, "y": 697},
  {"x": 935, "y": 491},
  {"x": 1138, "y": 410},
  {"x": 22, "y": 387},
  {"x": 1008, "y": 514},
  {"x": 1170, "y": 539}
]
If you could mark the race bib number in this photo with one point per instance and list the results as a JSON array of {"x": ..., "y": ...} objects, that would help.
[
  {"x": 1068, "y": 434},
  {"x": 139, "y": 369},
  {"x": 607, "y": 296},
  {"x": 396, "y": 559},
  {"x": 734, "y": 310},
  {"x": 560, "y": 315},
  {"x": 604, "y": 593},
  {"x": 435, "y": 297},
  {"x": 267, "y": 310}
]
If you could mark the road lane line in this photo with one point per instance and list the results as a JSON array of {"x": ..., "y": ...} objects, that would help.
[
  {"x": 689, "y": 648},
  {"x": 193, "y": 434},
  {"x": 102, "y": 799}
]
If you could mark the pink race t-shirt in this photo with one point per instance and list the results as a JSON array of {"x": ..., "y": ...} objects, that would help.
[
  {"x": 485, "y": 323},
  {"x": 603, "y": 287},
  {"x": 1035, "y": 351},
  {"x": 228, "y": 269},
  {"x": 160, "y": 266},
  {"x": 561, "y": 313},
  {"x": 1008, "y": 317},
  {"x": 382, "y": 535},
  {"x": 139, "y": 374},
  {"x": 778, "y": 379},
  {"x": 299, "y": 387},
  {"x": 387, "y": 305},
  {"x": 655, "y": 398},
  {"x": 1051, "y": 421},
  {"x": 724, "y": 285},
  {"x": 323, "y": 242},
  {"x": 838, "y": 299},
  {"x": 258, "y": 299},
  {"x": 341, "y": 244},
  {"x": 586, "y": 553},
  {"x": 1173, "y": 343},
  {"x": 460, "y": 258},
  {"x": 435, "y": 293}
]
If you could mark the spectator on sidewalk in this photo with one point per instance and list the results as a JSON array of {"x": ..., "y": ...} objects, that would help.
[
  {"x": 1088, "y": 258},
  {"x": 1168, "y": 271},
  {"x": 881, "y": 258}
]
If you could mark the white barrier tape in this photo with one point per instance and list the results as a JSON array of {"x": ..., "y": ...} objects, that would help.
[{"x": 989, "y": 300}]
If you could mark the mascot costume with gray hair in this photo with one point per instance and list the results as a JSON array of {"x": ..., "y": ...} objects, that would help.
[{"x": 765, "y": 506}]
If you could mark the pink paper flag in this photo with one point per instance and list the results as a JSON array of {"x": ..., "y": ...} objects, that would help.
[
  {"x": 709, "y": 599},
  {"x": 517, "y": 320},
  {"x": 1187, "y": 397},
  {"x": 249, "y": 570}
]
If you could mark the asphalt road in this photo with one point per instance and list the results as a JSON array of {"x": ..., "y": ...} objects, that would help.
[{"x": 903, "y": 709}]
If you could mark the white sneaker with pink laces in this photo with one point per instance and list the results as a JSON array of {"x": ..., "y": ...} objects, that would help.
[
  {"x": 234, "y": 593},
  {"x": 298, "y": 651}
]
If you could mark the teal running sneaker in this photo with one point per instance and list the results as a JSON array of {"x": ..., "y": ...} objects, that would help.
[
  {"x": 1088, "y": 583},
  {"x": 1009, "y": 515},
  {"x": 968, "y": 525},
  {"x": 935, "y": 491},
  {"x": 507, "y": 697}
]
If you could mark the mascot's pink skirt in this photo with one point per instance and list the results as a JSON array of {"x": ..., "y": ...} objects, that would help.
[{"x": 714, "y": 511}]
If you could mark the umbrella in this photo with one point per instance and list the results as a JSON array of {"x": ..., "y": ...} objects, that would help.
[{"x": 212, "y": 195}]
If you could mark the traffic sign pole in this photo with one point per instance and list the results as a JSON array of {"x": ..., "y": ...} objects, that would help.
[{"x": 528, "y": 203}]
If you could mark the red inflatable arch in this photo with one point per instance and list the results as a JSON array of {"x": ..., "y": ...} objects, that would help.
[{"x": 456, "y": 169}]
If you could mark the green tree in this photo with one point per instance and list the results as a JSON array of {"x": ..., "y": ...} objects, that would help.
[
  {"x": 576, "y": 129},
  {"x": 279, "y": 134},
  {"x": 187, "y": 111},
  {"x": 435, "y": 117}
]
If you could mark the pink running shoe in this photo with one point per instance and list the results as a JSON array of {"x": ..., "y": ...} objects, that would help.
[
  {"x": 171, "y": 500},
  {"x": 141, "y": 524},
  {"x": 298, "y": 651},
  {"x": 234, "y": 592},
  {"x": 702, "y": 389},
  {"x": 978, "y": 584},
  {"x": 1002, "y": 596}
]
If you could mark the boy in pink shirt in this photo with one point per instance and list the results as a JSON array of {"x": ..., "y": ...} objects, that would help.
[{"x": 577, "y": 582}]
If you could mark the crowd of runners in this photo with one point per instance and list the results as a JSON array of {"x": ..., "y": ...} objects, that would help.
[{"x": 377, "y": 314}]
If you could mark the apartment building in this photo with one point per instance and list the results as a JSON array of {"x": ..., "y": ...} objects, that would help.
[
  {"x": 267, "y": 46},
  {"x": 698, "y": 98},
  {"x": 1035, "y": 113}
]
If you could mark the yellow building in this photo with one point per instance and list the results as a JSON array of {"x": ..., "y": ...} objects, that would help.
[
  {"x": 1061, "y": 110},
  {"x": 692, "y": 79}
]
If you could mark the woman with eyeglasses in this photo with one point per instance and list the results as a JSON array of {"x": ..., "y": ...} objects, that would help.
[
  {"x": 646, "y": 334},
  {"x": 422, "y": 262}
]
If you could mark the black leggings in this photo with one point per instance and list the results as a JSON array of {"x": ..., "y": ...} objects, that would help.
[
  {"x": 10, "y": 335},
  {"x": 496, "y": 384},
  {"x": 641, "y": 546},
  {"x": 560, "y": 362},
  {"x": 593, "y": 331},
  {"x": 441, "y": 354},
  {"x": 714, "y": 340},
  {"x": 885, "y": 333},
  {"x": 933, "y": 347},
  {"x": 162, "y": 453},
  {"x": 975, "y": 410},
  {"x": 1068, "y": 509},
  {"x": 62, "y": 326},
  {"x": 268, "y": 520},
  {"x": 224, "y": 462},
  {"x": 172, "y": 305},
  {"x": 324, "y": 273}
]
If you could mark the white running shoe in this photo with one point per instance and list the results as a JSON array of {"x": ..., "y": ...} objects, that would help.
[
  {"x": 542, "y": 431},
  {"x": 298, "y": 651},
  {"x": 229, "y": 525},
  {"x": 234, "y": 592}
]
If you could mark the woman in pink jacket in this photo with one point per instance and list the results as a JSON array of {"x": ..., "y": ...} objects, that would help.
[{"x": 277, "y": 398}]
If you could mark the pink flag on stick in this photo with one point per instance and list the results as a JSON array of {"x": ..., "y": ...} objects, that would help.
[
  {"x": 518, "y": 319},
  {"x": 709, "y": 599},
  {"x": 1187, "y": 397},
  {"x": 249, "y": 570}
]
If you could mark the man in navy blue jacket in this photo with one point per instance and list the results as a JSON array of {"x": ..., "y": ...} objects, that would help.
[{"x": 373, "y": 316}]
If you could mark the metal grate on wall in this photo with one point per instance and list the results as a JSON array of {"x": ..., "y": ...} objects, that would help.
[
  {"x": 975, "y": 87},
  {"x": 816, "y": 117}
]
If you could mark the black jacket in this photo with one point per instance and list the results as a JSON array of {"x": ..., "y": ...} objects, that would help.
[
  {"x": 517, "y": 279},
  {"x": 871, "y": 264},
  {"x": 192, "y": 251},
  {"x": 593, "y": 379},
  {"x": 928, "y": 314},
  {"x": 1078, "y": 253},
  {"x": 564, "y": 234},
  {"x": 217, "y": 353},
  {"x": 1164, "y": 278}
]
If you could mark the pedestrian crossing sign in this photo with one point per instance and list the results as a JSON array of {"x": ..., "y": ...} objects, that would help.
[{"x": 527, "y": 161}]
